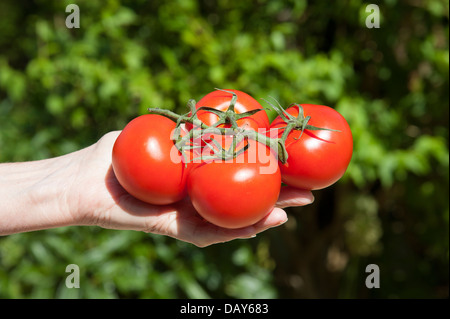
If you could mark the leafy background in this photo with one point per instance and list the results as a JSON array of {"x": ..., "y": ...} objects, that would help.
[{"x": 62, "y": 89}]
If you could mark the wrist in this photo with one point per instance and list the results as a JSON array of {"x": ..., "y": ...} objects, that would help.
[{"x": 88, "y": 196}]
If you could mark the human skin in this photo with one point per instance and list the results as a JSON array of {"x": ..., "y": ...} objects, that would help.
[{"x": 80, "y": 189}]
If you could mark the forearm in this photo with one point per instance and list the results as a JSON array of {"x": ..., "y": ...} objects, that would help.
[{"x": 34, "y": 195}]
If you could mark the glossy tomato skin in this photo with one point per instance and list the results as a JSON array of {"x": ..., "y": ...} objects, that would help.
[
  {"x": 238, "y": 192},
  {"x": 220, "y": 100},
  {"x": 146, "y": 163},
  {"x": 318, "y": 158}
]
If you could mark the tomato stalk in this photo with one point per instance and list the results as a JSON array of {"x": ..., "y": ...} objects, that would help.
[
  {"x": 230, "y": 117},
  {"x": 201, "y": 130},
  {"x": 225, "y": 154}
]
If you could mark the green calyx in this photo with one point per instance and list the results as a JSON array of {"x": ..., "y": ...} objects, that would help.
[{"x": 300, "y": 122}]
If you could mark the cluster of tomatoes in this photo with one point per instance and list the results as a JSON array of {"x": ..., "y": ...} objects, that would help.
[{"x": 227, "y": 156}]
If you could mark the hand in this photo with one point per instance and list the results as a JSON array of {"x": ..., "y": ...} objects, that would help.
[{"x": 99, "y": 200}]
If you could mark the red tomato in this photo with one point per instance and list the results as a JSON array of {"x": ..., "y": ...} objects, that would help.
[
  {"x": 237, "y": 192},
  {"x": 147, "y": 164},
  {"x": 220, "y": 100},
  {"x": 319, "y": 157}
]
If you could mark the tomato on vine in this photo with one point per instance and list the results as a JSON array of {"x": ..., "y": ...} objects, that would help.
[
  {"x": 237, "y": 191},
  {"x": 319, "y": 148},
  {"x": 146, "y": 163},
  {"x": 238, "y": 178}
]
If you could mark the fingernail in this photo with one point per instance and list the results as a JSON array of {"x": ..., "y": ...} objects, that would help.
[
  {"x": 280, "y": 223},
  {"x": 248, "y": 237},
  {"x": 283, "y": 221}
]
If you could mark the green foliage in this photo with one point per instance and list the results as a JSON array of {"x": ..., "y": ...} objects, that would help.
[
  {"x": 62, "y": 89},
  {"x": 127, "y": 264}
]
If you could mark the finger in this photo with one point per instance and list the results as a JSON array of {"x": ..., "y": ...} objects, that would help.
[
  {"x": 208, "y": 234},
  {"x": 275, "y": 218},
  {"x": 290, "y": 196}
]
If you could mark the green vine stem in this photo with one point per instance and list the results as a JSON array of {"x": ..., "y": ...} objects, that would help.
[
  {"x": 278, "y": 145},
  {"x": 180, "y": 142}
]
